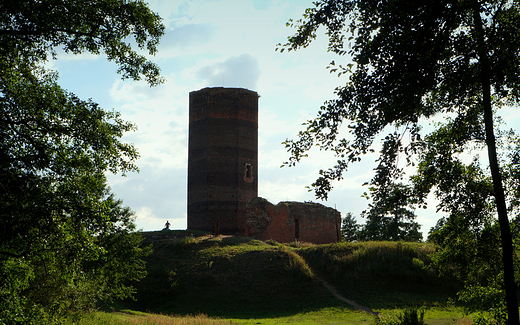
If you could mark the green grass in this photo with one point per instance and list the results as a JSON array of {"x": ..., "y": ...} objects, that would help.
[
  {"x": 247, "y": 281},
  {"x": 139, "y": 318},
  {"x": 329, "y": 316},
  {"x": 335, "y": 315}
]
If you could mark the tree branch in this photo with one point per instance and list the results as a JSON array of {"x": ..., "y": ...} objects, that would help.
[{"x": 12, "y": 254}]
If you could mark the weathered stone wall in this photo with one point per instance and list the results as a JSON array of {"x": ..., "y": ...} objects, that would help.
[{"x": 290, "y": 221}]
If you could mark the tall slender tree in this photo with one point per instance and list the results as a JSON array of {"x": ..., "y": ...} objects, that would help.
[
  {"x": 410, "y": 61},
  {"x": 390, "y": 217},
  {"x": 349, "y": 228}
]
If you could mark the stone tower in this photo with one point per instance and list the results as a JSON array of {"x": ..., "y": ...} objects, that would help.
[{"x": 222, "y": 158}]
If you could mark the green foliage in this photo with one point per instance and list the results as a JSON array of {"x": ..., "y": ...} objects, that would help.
[
  {"x": 410, "y": 316},
  {"x": 468, "y": 239},
  {"x": 389, "y": 217},
  {"x": 74, "y": 272},
  {"x": 393, "y": 82},
  {"x": 412, "y": 61},
  {"x": 65, "y": 241},
  {"x": 349, "y": 228},
  {"x": 32, "y": 30},
  {"x": 474, "y": 257}
]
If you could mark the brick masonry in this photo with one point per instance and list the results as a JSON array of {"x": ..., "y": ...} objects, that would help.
[
  {"x": 222, "y": 157},
  {"x": 290, "y": 221}
]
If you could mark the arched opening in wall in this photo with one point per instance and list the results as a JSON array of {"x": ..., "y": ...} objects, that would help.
[{"x": 296, "y": 229}]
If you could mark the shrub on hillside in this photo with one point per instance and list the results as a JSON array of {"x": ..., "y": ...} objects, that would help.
[{"x": 410, "y": 316}]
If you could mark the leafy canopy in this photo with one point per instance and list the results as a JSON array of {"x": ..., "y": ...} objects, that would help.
[
  {"x": 65, "y": 241},
  {"x": 33, "y": 30},
  {"x": 410, "y": 61}
]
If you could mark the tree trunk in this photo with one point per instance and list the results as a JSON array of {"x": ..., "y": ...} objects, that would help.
[{"x": 505, "y": 231}]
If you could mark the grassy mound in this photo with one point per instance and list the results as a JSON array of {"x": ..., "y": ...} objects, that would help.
[
  {"x": 382, "y": 274},
  {"x": 235, "y": 277},
  {"x": 229, "y": 277}
]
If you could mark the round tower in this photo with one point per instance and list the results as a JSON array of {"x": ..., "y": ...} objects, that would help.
[{"x": 222, "y": 158}]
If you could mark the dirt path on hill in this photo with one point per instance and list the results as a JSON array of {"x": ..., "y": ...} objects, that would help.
[{"x": 339, "y": 296}]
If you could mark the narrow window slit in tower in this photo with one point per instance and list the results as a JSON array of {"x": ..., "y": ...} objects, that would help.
[{"x": 248, "y": 177}]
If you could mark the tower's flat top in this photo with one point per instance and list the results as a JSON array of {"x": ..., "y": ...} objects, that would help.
[{"x": 217, "y": 90}]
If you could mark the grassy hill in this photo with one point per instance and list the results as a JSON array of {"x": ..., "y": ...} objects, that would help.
[
  {"x": 235, "y": 277},
  {"x": 382, "y": 274}
]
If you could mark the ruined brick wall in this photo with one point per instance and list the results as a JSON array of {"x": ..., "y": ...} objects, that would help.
[
  {"x": 222, "y": 157},
  {"x": 290, "y": 221}
]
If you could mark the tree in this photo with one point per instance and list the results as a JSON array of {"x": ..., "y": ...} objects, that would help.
[
  {"x": 349, "y": 228},
  {"x": 65, "y": 241},
  {"x": 469, "y": 235},
  {"x": 413, "y": 60},
  {"x": 389, "y": 217}
]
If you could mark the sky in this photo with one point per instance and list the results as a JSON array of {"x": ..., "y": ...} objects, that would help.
[{"x": 222, "y": 43}]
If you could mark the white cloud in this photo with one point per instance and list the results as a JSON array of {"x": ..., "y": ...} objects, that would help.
[{"x": 237, "y": 71}]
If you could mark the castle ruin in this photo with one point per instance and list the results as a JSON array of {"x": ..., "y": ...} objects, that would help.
[{"x": 223, "y": 175}]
